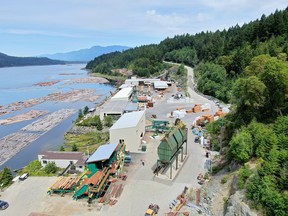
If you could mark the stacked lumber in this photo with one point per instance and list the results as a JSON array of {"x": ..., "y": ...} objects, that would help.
[
  {"x": 119, "y": 191},
  {"x": 201, "y": 119},
  {"x": 65, "y": 183},
  {"x": 220, "y": 113},
  {"x": 208, "y": 117},
  {"x": 150, "y": 104},
  {"x": 197, "y": 108},
  {"x": 142, "y": 98}
]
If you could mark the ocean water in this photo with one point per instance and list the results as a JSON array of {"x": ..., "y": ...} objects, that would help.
[{"x": 17, "y": 84}]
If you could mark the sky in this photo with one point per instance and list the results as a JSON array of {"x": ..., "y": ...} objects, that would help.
[{"x": 36, "y": 27}]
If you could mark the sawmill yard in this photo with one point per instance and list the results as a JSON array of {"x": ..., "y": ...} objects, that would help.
[{"x": 141, "y": 187}]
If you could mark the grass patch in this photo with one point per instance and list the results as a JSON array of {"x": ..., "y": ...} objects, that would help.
[
  {"x": 224, "y": 180},
  {"x": 34, "y": 168},
  {"x": 109, "y": 77},
  {"x": 89, "y": 141}
]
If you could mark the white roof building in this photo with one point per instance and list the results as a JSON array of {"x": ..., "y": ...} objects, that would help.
[
  {"x": 123, "y": 94},
  {"x": 131, "y": 128},
  {"x": 160, "y": 85},
  {"x": 113, "y": 107},
  {"x": 63, "y": 159},
  {"x": 104, "y": 152},
  {"x": 137, "y": 81}
]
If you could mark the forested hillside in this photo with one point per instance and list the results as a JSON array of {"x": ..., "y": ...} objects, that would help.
[
  {"x": 12, "y": 61},
  {"x": 247, "y": 67}
]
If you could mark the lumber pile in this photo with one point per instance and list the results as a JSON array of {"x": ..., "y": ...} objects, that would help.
[
  {"x": 197, "y": 108},
  {"x": 65, "y": 183},
  {"x": 220, "y": 113},
  {"x": 208, "y": 117}
]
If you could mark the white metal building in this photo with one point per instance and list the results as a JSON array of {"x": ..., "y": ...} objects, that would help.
[
  {"x": 137, "y": 81},
  {"x": 113, "y": 107},
  {"x": 123, "y": 94},
  {"x": 63, "y": 159},
  {"x": 131, "y": 128},
  {"x": 160, "y": 85}
]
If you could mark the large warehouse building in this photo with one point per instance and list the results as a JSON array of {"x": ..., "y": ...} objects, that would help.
[
  {"x": 123, "y": 94},
  {"x": 131, "y": 128}
]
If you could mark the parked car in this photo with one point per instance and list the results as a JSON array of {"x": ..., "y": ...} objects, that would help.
[
  {"x": 24, "y": 176},
  {"x": 127, "y": 159},
  {"x": 3, "y": 204}
]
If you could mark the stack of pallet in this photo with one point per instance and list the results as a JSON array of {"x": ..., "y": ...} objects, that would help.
[
  {"x": 208, "y": 117},
  {"x": 197, "y": 108},
  {"x": 65, "y": 183},
  {"x": 205, "y": 110},
  {"x": 199, "y": 120},
  {"x": 220, "y": 113}
]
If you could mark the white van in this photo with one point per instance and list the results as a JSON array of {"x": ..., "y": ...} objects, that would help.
[{"x": 24, "y": 176}]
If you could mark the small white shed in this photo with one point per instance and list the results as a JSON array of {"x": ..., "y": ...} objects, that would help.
[{"x": 131, "y": 128}]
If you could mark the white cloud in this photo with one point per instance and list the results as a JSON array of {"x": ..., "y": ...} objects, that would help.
[
  {"x": 38, "y": 32},
  {"x": 114, "y": 20},
  {"x": 202, "y": 17}
]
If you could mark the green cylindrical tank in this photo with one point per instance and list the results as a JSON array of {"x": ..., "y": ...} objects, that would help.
[{"x": 171, "y": 143}]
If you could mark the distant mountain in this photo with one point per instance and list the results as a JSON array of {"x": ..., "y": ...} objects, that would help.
[
  {"x": 11, "y": 61},
  {"x": 86, "y": 55}
]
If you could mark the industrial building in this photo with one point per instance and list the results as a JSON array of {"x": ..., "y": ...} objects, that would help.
[
  {"x": 105, "y": 163},
  {"x": 130, "y": 127},
  {"x": 140, "y": 81},
  {"x": 123, "y": 94},
  {"x": 171, "y": 147},
  {"x": 131, "y": 107},
  {"x": 114, "y": 108},
  {"x": 160, "y": 85},
  {"x": 63, "y": 159}
]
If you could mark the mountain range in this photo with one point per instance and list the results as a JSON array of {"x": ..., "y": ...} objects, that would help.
[{"x": 85, "y": 55}]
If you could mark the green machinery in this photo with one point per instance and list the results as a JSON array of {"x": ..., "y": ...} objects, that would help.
[
  {"x": 158, "y": 126},
  {"x": 172, "y": 144},
  {"x": 98, "y": 173}
]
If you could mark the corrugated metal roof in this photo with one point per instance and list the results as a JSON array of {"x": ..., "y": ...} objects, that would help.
[
  {"x": 114, "y": 106},
  {"x": 127, "y": 81},
  {"x": 160, "y": 84},
  {"x": 61, "y": 155},
  {"x": 102, "y": 153},
  {"x": 131, "y": 107},
  {"x": 123, "y": 93},
  {"x": 128, "y": 120}
]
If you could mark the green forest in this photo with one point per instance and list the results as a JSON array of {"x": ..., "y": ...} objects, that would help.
[{"x": 247, "y": 67}]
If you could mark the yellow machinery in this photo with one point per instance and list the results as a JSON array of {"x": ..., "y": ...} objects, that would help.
[
  {"x": 152, "y": 210},
  {"x": 149, "y": 212}
]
